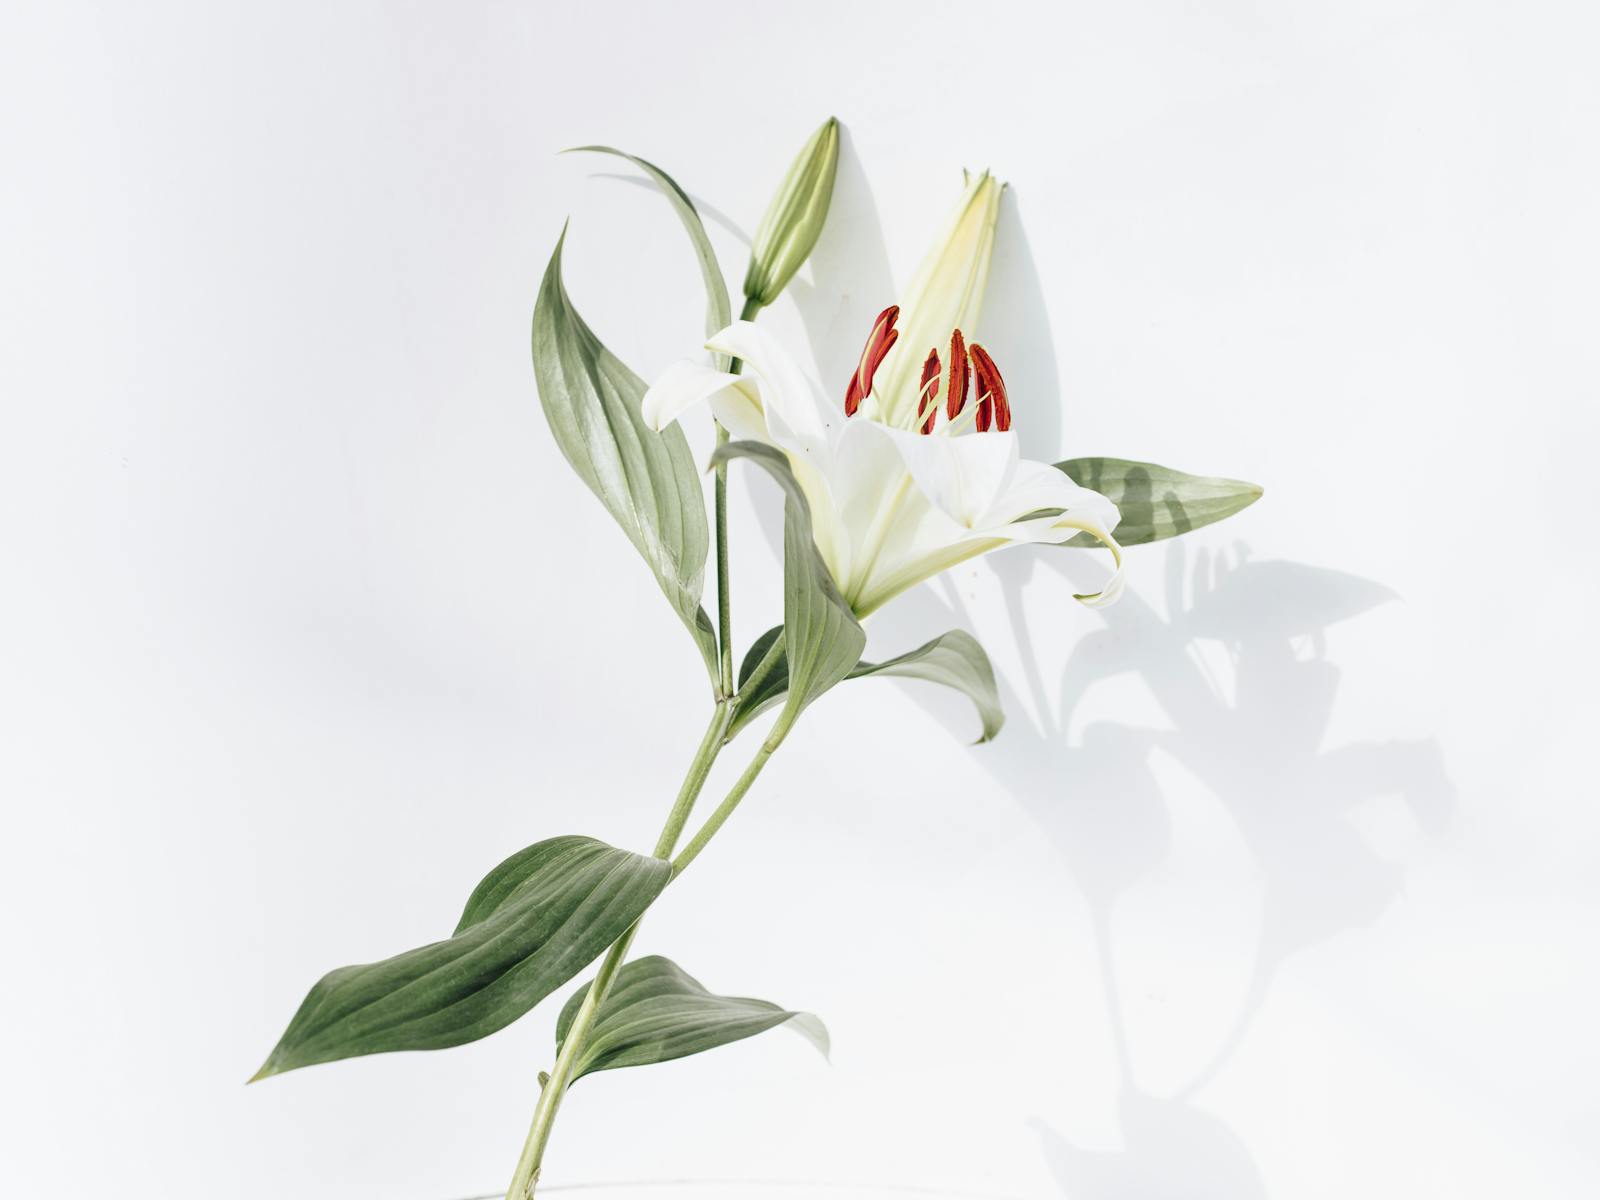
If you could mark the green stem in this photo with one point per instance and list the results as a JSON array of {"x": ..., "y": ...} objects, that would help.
[
  {"x": 555, "y": 1087},
  {"x": 526, "y": 1177},
  {"x": 705, "y": 754},
  {"x": 720, "y": 492},
  {"x": 725, "y": 810},
  {"x": 724, "y": 600}
]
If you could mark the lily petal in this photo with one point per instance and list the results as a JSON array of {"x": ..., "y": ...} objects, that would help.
[
  {"x": 930, "y": 536},
  {"x": 924, "y": 543},
  {"x": 679, "y": 388},
  {"x": 965, "y": 476},
  {"x": 1035, "y": 485},
  {"x": 1058, "y": 529},
  {"x": 795, "y": 419},
  {"x": 1111, "y": 590},
  {"x": 738, "y": 410}
]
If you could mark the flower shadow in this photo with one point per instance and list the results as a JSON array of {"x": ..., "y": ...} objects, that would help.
[
  {"x": 1255, "y": 739},
  {"x": 1253, "y": 735}
]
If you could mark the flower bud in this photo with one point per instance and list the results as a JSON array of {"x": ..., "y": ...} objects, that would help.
[
  {"x": 946, "y": 293},
  {"x": 794, "y": 218}
]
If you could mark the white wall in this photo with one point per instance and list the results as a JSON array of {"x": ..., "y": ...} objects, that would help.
[{"x": 1282, "y": 880}]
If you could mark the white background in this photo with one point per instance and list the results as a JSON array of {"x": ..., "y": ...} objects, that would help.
[{"x": 1280, "y": 883}]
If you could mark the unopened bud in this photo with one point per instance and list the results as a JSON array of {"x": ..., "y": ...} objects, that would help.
[
  {"x": 946, "y": 293},
  {"x": 794, "y": 218}
]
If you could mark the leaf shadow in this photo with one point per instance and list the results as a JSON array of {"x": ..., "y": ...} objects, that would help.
[{"x": 1258, "y": 745}]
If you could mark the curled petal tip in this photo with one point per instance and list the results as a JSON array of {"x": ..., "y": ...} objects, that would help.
[{"x": 1112, "y": 591}]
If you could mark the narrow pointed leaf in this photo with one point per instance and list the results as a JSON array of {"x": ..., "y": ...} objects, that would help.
[
  {"x": 534, "y": 922},
  {"x": 1157, "y": 502},
  {"x": 719, "y": 310},
  {"x": 646, "y": 480},
  {"x": 656, "y": 1012},
  {"x": 821, "y": 636},
  {"x": 954, "y": 659}
]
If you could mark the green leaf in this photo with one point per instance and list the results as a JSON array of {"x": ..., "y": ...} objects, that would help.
[
  {"x": 534, "y": 922},
  {"x": 1156, "y": 502},
  {"x": 646, "y": 480},
  {"x": 954, "y": 659},
  {"x": 753, "y": 701},
  {"x": 656, "y": 1012},
  {"x": 719, "y": 310},
  {"x": 821, "y": 636}
]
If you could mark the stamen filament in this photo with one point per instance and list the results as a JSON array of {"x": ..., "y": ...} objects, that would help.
[
  {"x": 964, "y": 418},
  {"x": 927, "y": 409}
]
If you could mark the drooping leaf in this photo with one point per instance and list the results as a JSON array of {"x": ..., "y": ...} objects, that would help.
[
  {"x": 646, "y": 480},
  {"x": 656, "y": 1012},
  {"x": 1156, "y": 502},
  {"x": 534, "y": 922},
  {"x": 719, "y": 312},
  {"x": 954, "y": 659},
  {"x": 821, "y": 636}
]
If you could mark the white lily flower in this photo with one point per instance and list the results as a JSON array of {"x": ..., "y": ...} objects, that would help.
[{"x": 901, "y": 486}]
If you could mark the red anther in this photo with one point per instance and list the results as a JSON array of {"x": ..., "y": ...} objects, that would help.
[
  {"x": 993, "y": 407},
  {"x": 852, "y": 396},
  {"x": 883, "y": 336},
  {"x": 928, "y": 391},
  {"x": 955, "y": 393}
]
